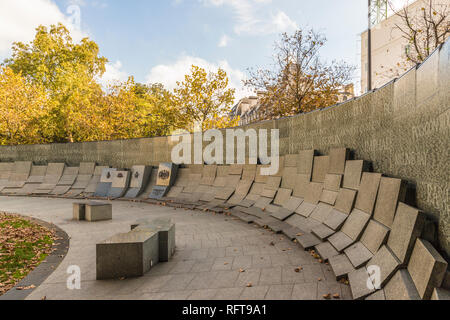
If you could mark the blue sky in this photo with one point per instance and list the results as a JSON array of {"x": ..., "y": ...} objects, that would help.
[{"x": 157, "y": 41}]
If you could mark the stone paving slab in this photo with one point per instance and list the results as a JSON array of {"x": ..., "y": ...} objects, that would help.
[
  {"x": 198, "y": 235},
  {"x": 341, "y": 265},
  {"x": 322, "y": 232},
  {"x": 335, "y": 219},
  {"x": 345, "y": 200},
  {"x": 340, "y": 241},
  {"x": 320, "y": 168},
  {"x": 333, "y": 182},
  {"x": 388, "y": 263},
  {"x": 367, "y": 193},
  {"x": 301, "y": 185},
  {"x": 401, "y": 287},
  {"x": 326, "y": 250},
  {"x": 390, "y": 192},
  {"x": 338, "y": 158},
  {"x": 352, "y": 174},
  {"x": 358, "y": 283}
]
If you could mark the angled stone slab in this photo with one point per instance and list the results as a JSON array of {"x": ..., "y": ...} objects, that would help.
[
  {"x": 87, "y": 168},
  {"x": 105, "y": 183},
  {"x": 298, "y": 221},
  {"x": 283, "y": 196},
  {"x": 388, "y": 263},
  {"x": 129, "y": 254},
  {"x": 291, "y": 232},
  {"x": 341, "y": 265},
  {"x": 272, "y": 208},
  {"x": 282, "y": 214},
  {"x": 335, "y": 220},
  {"x": 82, "y": 181},
  {"x": 368, "y": 190},
  {"x": 232, "y": 181},
  {"x": 355, "y": 224},
  {"x": 326, "y": 250},
  {"x": 94, "y": 181},
  {"x": 333, "y": 182},
  {"x": 293, "y": 203},
  {"x": 391, "y": 191},
  {"x": 140, "y": 176},
  {"x": 54, "y": 173},
  {"x": 314, "y": 192},
  {"x": 224, "y": 193},
  {"x": 69, "y": 176},
  {"x": 277, "y": 226},
  {"x": 407, "y": 227},
  {"x": 291, "y": 160},
  {"x": 338, "y": 157},
  {"x": 305, "y": 162},
  {"x": 358, "y": 254},
  {"x": 329, "y": 197},
  {"x": 320, "y": 168},
  {"x": 440, "y": 294},
  {"x": 268, "y": 193},
  {"x": 301, "y": 185},
  {"x": 235, "y": 169},
  {"x": 345, "y": 200},
  {"x": 427, "y": 268},
  {"x": 120, "y": 184},
  {"x": 340, "y": 241},
  {"x": 359, "y": 285},
  {"x": 401, "y": 287},
  {"x": 305, "y": 209},
  {"x": 308, "y": 240},
  {"x": 37, "y": 174},
  {"x": 322, "y": 232},
  {"x": 374, "y": 236},
  {"x": 21, "y": 171},
  {"x": 273, "y": 182},
  {"x": 289, "y": 178},
  {"x": 263, "y": 202},
  {"x": 249, "y": 173},
  {"x": 60, "y": 190},
  {"x": 352, "y": 174},
  {"x": 377, "y": 296},
  {"x": 321, "y": 212}
]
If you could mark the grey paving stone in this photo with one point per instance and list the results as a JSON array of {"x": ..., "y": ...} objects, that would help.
[
  {"x": 320, "y": 168},
  {"x": 270, "y": 276},
  {"x": 388, "y": 263},
  {"x": 358, "y": 280},
  {"x": 322, "y": 232},
  {"x": 263, "y": 202},
  {"x": 291, "y": 232},
  {"x": 228, "y": 294},
  {"x": 335, "y": 219},
  {"x": 377, "y": 296},
  {"x": 280, "y": 292},
  {"x": 301, "y": 185},
  {"x": 305, "y": 291},
  {"x": 352, "y": 174},
  {"x": 325, "y": 289},
  {"x": 401, "y": 287},
  {"x": 254, "y": 293},
  {"x": 345, "y": 200},
  {"x": 341, "y": 265},
  {"x": 427, "y": 268},
  {"x": 333, "y": 182},
  {"x": 204, "y": 294},
  {"x": 440, "y": 294},
  {"x": 290, "y": 276},
  {"x": 407, "y": 227},
  {"x": 340, "y": 241},
  {"x": 391, "y": 191},
  {"x": 293, "y": 203},
  {"x": 326, "y": 250},
  {"x": 355, "y": 224}
]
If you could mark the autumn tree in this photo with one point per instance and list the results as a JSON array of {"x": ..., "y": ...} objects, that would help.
[
  {"x": 299, "y": 81},
  {"x": 68, "y": 71},
  {"x": 203, "y": 97},
  {"x": 23, "y": 109},
  {"x": 424, "y": 30}
]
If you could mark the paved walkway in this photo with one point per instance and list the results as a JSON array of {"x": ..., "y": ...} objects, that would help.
[{"x": 211, "y": 251}]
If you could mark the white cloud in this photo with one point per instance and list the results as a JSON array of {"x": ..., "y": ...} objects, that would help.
[
  {"x": 252, "y": 17},
  {"x": 169, "y": 74},
  {"x": 20, "y": 18},
  {"x": 223, "y": 41},
  {"x": 113, "y": 73}
]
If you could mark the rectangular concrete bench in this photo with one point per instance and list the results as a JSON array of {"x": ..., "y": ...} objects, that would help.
[
  {"x": 92, "y": 211},
  {"x": 126, "y": 255},
  {"x": 166, "y": 230}
]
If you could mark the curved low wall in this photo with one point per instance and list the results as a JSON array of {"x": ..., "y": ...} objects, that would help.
[{"x": 402, "y": 128}]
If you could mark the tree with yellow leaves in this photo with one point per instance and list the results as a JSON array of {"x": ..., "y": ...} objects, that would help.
[
  {"x": 23, "y": 109},
  {"x": 203, "y": 97}
]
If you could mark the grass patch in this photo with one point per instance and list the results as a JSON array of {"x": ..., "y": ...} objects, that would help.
[{"x": 23, "y": 246}]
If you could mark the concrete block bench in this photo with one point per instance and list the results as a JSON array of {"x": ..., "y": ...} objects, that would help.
[
  {"x": 166, "y": 230},
  {"x": 126, "y": 255},
  {"x": 92, "y": 211}
]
